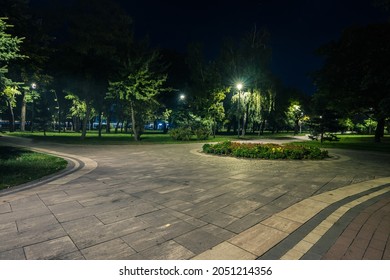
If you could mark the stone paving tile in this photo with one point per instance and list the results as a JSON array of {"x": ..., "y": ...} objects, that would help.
[
  {"x": 36, "y": 222},
  {"x": 5, "y": 208},
  {"x": 258, "y": 239},
  {"x": 115, "y": 249},
  {"x": 281, "y": 224},
  {"x": 8, "y": 228},
  {"x": 144, "y": 239},
  {"x": 50, "y": 249},
  {"x": 225, "y": 251},
  {"x": 373, "y": 254},
  {"x": 71, "y": 256},
  {"x": 198, "y": 240},
  {"x": 155, "y": 235},
  {"x": 240, "y": 208},
  {"x": 30, "y": 202},
  {"x": 219, "y": 219},
  {"x": 218, "y": 231},
  {"x": 16, "y": 254},
  {"x": 54, "y": 197},
  {"x": 167, "y": 251},
  {"x": 158, "y": 218},
  {"x": 302, "y": 211},
  {"x": 24, "y": 214},
  {"x": 14, "y": 241},
  {"x": 90, "y": 231},
  {"x": 125, "y": 213},
  {"x": 248, "y": 221},
  {"x": 285, "y": 201}
]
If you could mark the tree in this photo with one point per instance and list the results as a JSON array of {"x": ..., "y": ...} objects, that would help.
[
  {"x": 355, "y": 76},
  {"x": 295, "y": 113},
  {"x": 247, "y": 61},
  {"x": 206, "y": 88},
  {"x": 95, "y": 30},
  {"x": 9, "y": 50},
  {"x": 138, "y": 88}
]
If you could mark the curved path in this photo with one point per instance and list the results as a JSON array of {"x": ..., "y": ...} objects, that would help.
[{"x": 171, "y": 202}]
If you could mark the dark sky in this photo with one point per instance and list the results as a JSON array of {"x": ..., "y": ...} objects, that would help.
[{"x": 297, "y": 27}]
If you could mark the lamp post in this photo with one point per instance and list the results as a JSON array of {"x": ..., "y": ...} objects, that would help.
[{"x": 239, "y": 87}]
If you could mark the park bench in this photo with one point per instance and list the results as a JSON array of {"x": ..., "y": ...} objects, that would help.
[{"x": 313, "y": 137}]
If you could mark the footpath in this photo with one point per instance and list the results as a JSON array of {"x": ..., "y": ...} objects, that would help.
[{"x": 172, "y": 202}]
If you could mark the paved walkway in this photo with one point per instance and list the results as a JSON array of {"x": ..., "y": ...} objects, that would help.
[{"x": 172, "y": 202}]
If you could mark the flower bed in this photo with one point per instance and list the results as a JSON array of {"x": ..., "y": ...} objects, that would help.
[{"x": 265, "y": 151}]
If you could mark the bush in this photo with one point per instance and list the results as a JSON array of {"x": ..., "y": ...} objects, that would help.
[
  {"x": 265, "y": 151},
  {"x": 181, "y": 133},
  {"x": 202, "y": 133}
]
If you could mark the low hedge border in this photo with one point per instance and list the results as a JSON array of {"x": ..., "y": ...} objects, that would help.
[{"x": 265, "y": 151}]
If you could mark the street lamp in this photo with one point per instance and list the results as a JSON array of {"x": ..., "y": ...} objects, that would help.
[
  {"x": 239, "y": 87},
  {"x": 182, "y": 97}
]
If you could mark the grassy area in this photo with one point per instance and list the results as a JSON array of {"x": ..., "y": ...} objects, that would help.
[
  {"x": 356, "y": 142},
  {"x": 150, "y": 137},
  {"x": 18, "y": 166},
  {"x": 353, "y": 142}
]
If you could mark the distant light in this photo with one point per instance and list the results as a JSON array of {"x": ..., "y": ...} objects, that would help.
[
  {"x": 33, "y": 85},
  {"x": 239, "y": 86},
  {"x": 182, "y": 96}
]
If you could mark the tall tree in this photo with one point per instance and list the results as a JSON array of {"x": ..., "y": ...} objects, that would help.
[
  {"x": 9, "y": 50},
  {"x": 138, "y": 87},
  {"x": 94, "y": 29},
  {"x": 355, "y": 76}
]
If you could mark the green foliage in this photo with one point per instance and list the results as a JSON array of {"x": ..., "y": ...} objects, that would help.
[
  {"x": 189, "y": 124},
  {"x": 355, "y": 75},
  {"x": 18, "y": 166},
  {"x": 181, "y": 133},
  {"x": 265, "y": 151},
  {"x": 9, "y": 50}
]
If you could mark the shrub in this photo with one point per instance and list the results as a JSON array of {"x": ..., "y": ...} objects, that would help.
[
  {"x": 265, "y": 151},
  {"x": 202, "y": 133},
  {"x": 181, "y": 133}
]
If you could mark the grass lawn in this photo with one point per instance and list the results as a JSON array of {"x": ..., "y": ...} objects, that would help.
[
  {"x": 18, "y": 166},
  {"x": 149, "y": 137},
  {"x": 353, "y": 142},
  {"x": 356, "y": 142}
]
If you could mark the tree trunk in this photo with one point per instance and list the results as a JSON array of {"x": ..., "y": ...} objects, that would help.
[
  {"x": 117, "y": 126},
  {"x": 85, "y": 121},
  {"x": 23, "y": 113},
  {"x": 100, "y": 124},
  {"x": 32, "y": 116},
  {"x": 380, "y": 130},
  {"x": 262, "y": 127},
  {"x": 133, "y": 123},
  {"x": 108, "y": 127},
  {"x": 296, "y": 127},
  {"x": 244, "y": 124},
  {"x": 12, "y": 117}
]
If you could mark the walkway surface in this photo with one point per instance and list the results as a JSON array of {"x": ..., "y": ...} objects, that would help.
[{"x": 172, "y": 202}]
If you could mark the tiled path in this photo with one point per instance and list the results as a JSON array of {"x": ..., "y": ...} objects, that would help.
[{"x": 171, "y": 202}]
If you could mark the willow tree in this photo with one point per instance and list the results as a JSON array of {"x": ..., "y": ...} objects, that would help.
[{"x": 137, "y": 89}]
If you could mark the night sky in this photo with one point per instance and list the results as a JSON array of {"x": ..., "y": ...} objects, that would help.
[{"x": 297, "y": 27}]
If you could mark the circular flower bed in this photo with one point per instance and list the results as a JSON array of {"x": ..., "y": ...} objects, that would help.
[{"x": 265, "y": 151}]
